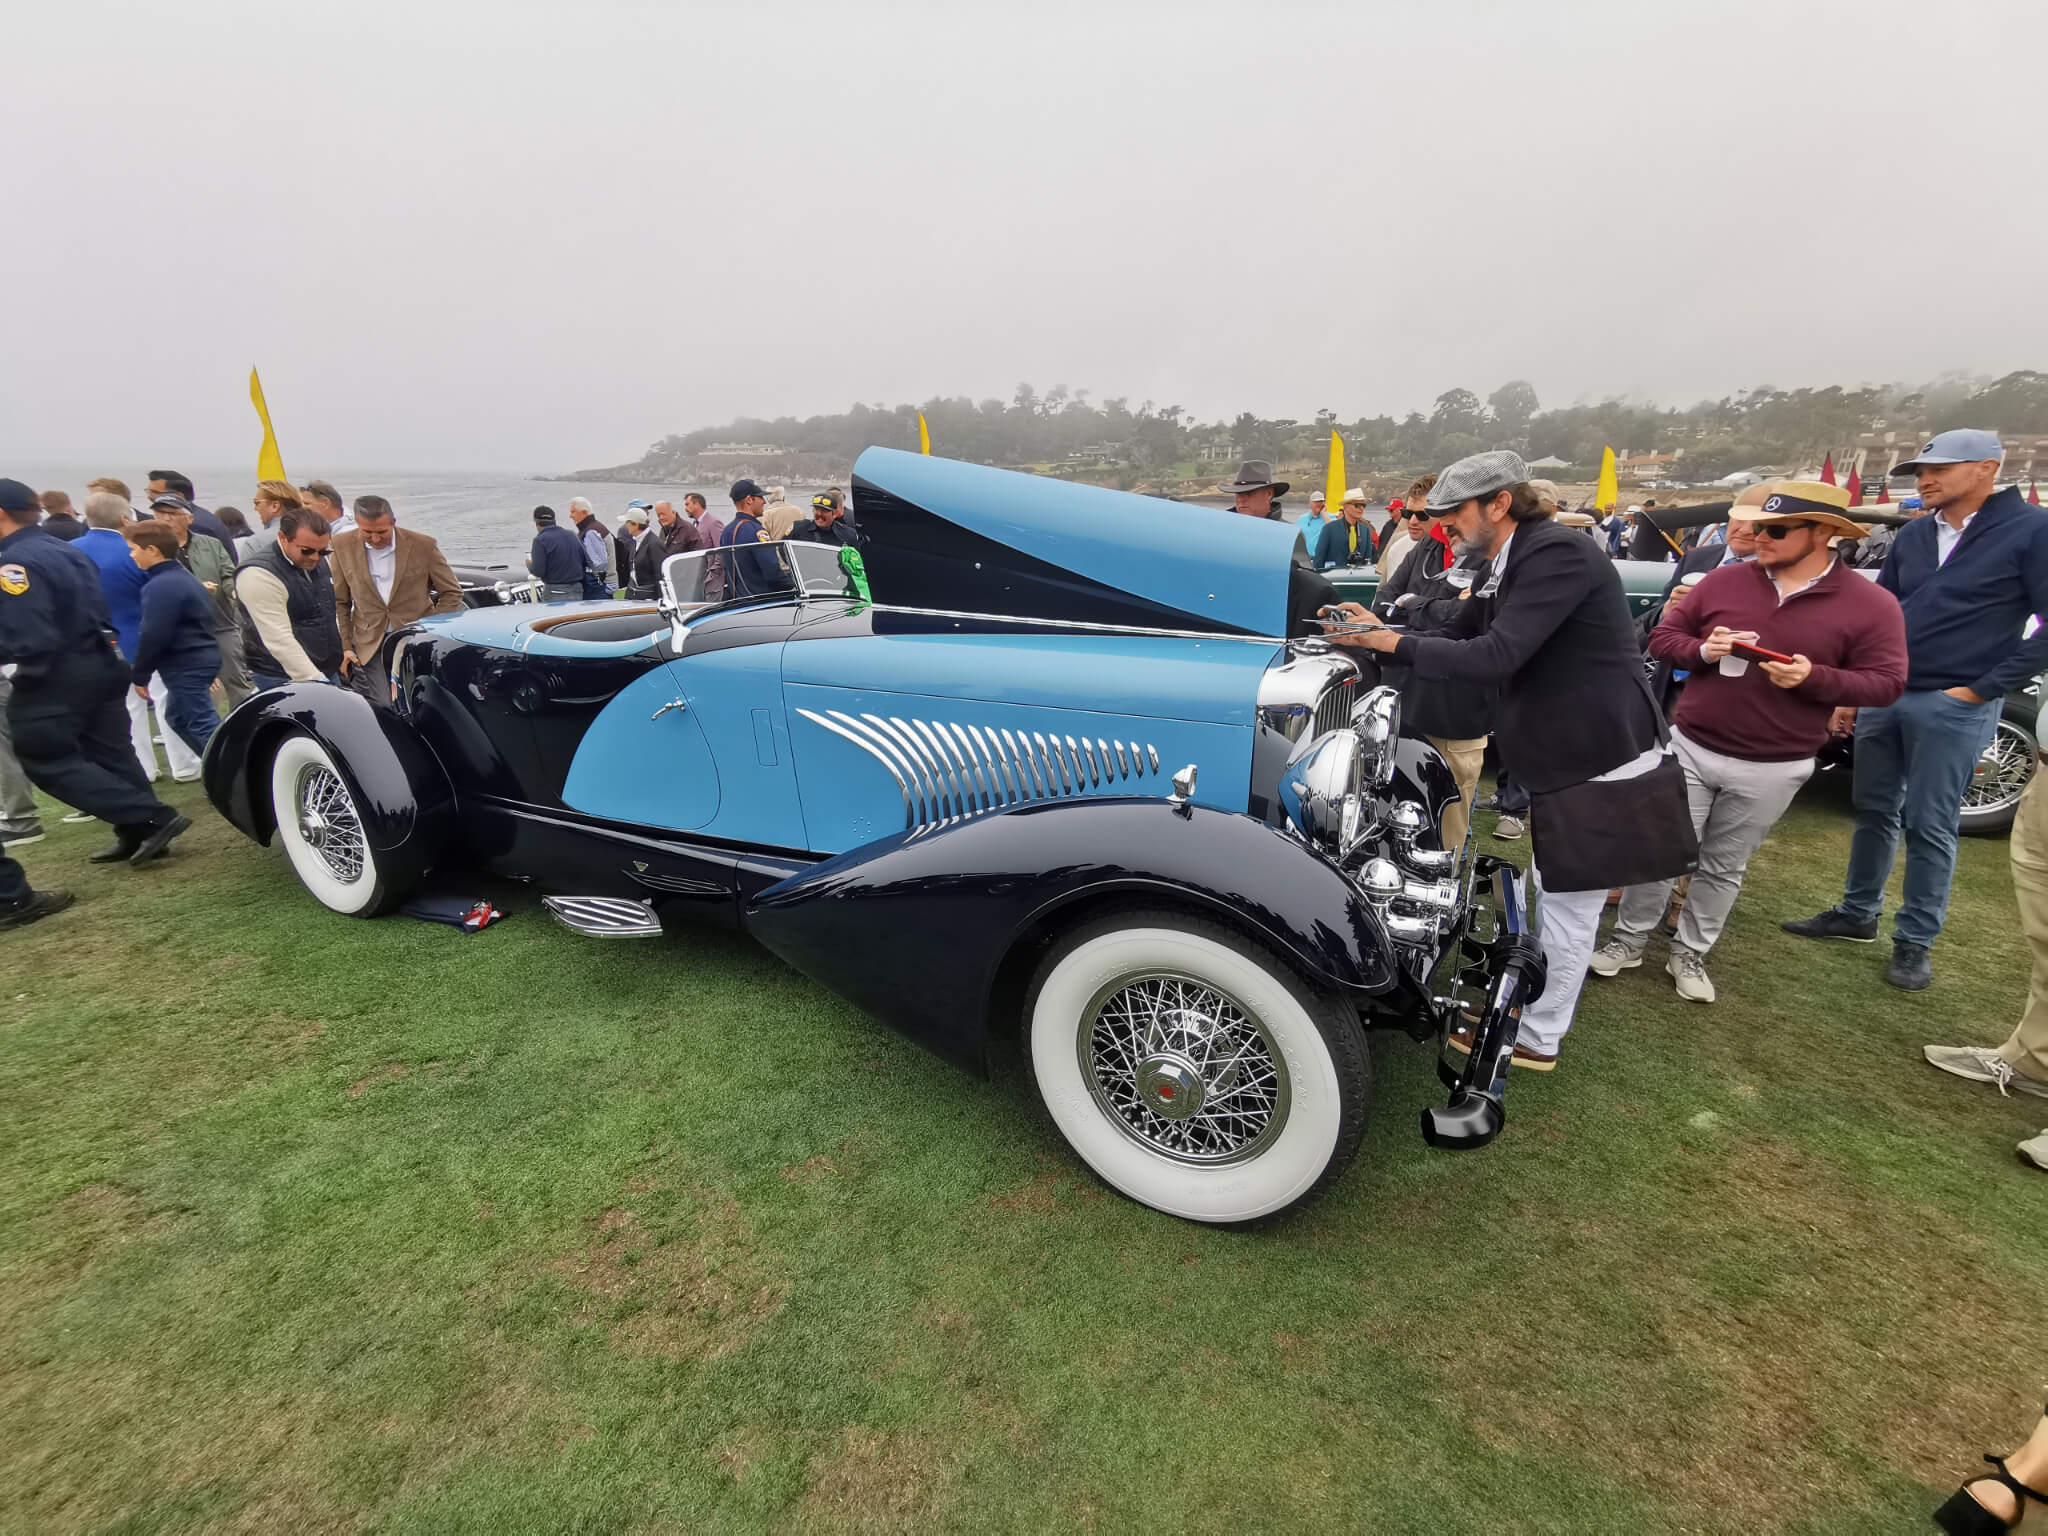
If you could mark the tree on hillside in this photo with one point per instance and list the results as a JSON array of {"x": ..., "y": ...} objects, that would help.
[{"x": 1514, "y": 405}]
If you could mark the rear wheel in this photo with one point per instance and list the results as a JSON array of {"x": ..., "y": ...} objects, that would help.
[
  {"x": 1193, "y": 1069},
  {"x": 2001, "y": 777},
  {"x": 322, "y": 831}
]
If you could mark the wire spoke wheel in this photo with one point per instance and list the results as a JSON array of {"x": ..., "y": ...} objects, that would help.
[
  {"x": 328, "y": 822},
  {"x": 2001, "y": 773},
  {"x": 1184, "y": 1069}
]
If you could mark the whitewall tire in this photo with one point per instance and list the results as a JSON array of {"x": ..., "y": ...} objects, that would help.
[
  {"x": 322, "y": 831},
  {"x": 1192, "y": 1069}
]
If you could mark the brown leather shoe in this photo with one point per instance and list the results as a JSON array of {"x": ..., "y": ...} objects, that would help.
[{"x": 1535, "y": 1061}]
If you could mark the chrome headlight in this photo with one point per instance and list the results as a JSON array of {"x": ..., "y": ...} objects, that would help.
[
  {"x": 1323, "y": 792},
  {"x": 1377, "y": 724}
]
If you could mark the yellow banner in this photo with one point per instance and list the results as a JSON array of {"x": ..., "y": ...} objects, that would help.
[
  {"x": 924, "y": 435},
  {"x": 1608, "y": 491},
  {"x": 269, "y": 463},
  {"x": 1333, "y": 483}
]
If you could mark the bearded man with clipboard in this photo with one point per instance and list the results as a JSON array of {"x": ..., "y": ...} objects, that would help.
[{"x": 1550, "y": 629}]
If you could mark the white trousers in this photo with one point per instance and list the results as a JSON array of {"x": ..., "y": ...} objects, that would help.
[
  {"x": 1569, "y": 922},
  {"x": 141, "y": 733}
]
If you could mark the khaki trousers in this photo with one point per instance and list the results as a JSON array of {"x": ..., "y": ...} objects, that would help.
[
  {"x": 2027, "y": 1049},
  {"x": 1465, "y": 758}
]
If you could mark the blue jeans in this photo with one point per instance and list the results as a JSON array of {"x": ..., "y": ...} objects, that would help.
[
  {"x": 1913, "y": 763},
  {"x": 189, "y": 707}
]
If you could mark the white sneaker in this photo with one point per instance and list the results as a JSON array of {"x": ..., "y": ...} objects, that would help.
[
  {"x": 21, "y": 838},
  {"x": 1690, "y": 972},
  {"x": 73, "y": 818},
  {"x": 1508, "y": 829},
  {"x": 1982, "y": 1065},
  {"x": 2035, "y": 1150},
  {"x": 1614, "y": 957}
]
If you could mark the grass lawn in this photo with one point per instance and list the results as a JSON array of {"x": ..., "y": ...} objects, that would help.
[{"x": 310, "y": 1224}]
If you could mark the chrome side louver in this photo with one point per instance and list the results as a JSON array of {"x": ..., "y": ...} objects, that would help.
[
  {"x": 946, "y": 770},
  {"x": 604, "y": 917}
]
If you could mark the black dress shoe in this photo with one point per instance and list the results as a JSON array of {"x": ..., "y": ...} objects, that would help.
[
  {"x": 1834, "y": 924},
  {"x": 40, "y": 904},
  {"x": 119, "y": 851},
  {"x": 158, "y": 842}
]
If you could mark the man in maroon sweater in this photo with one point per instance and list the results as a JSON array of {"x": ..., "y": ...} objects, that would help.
[{"x": 1746, "y": 731}]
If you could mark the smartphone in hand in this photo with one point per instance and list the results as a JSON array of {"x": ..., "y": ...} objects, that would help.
[{"x": 1750, "y": 652}]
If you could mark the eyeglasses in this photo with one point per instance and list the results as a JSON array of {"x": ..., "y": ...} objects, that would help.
[{"x": 1779, "y": 530}]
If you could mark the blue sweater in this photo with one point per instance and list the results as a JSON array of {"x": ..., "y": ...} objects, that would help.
[
  {"x": 177, "y": 624},
  {"x": 120, "y": 581},
  {"x": 1964, "y": 620}
]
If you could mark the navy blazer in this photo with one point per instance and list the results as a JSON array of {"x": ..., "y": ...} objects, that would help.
[{"x": 1557, "y": 640}]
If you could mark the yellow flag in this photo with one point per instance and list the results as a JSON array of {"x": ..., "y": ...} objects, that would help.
[
  {"x": 269, "y": 463},
  {"x": 1333, "y": 483},
  {"x": 1608, "y": 492},
  {"x": 924, "y": 435}
]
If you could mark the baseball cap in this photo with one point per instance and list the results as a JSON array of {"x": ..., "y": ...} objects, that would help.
[
  {"x": 543, "y": 515},
  {"x": 742, "y": 489},
  {"x": 1477, "y": 474},
  {"x": 637, "y": 512},
  {"x": 1960, "y": 445},
  {"x": 1397, "y": 505},
  {"x": 643, "y": 506},
  {"x": 828, "y": 501},
  {"x": 1316, "y": 496},
  {"x": 16, "y": 497}
]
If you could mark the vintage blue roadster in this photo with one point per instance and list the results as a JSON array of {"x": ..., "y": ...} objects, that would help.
[{"x": 1020, "y": 773}]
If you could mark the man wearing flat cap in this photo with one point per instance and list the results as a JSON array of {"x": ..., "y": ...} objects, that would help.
[
  {"x": 1968, "y": 577},
  {"x": 1549, "y": 627}
]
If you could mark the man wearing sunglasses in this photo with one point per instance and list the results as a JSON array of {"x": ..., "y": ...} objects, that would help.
[
  {"x": 1747, "y": 729},
  {"x": 1969, "y": 577}
]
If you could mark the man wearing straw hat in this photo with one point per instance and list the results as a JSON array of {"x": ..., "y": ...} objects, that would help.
[{"x": 1747, "y": 729}]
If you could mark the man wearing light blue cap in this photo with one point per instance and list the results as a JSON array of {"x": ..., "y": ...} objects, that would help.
[{"x": 1969, "y": 576}]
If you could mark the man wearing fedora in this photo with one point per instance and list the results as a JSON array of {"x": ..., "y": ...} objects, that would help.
[
  {"x": 1968, "y": 578},
  {"x": 1747, "y": 731},
  {"x": 1257, "y": 494}
]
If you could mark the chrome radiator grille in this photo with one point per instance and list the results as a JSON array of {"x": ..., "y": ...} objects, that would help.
[
  {"x": 1333, "y": 709},
  {"x": 947, "y": 770}
]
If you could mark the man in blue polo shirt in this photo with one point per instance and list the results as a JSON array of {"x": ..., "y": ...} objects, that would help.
[{"x": 1969, "y": 577}]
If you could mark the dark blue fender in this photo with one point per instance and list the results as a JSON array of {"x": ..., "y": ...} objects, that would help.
[
  {"x": 936, "y": 932},
  {"x": 400, "y": 790}
]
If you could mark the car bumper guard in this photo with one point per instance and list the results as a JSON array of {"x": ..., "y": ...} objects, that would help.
[{"x": 1508, "y": 969}]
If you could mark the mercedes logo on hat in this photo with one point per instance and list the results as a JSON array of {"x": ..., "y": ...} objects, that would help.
[{"x": 1774, "y": 503}]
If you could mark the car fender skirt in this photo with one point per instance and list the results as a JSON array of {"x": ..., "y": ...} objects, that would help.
[
  {"x": 916, "y": 927},
  {"x": 403, "y": 796}
]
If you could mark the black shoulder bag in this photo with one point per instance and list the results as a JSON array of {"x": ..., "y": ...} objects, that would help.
[{"x": 1617, "y": 832}]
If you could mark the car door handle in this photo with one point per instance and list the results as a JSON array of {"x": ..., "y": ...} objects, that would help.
[{"x": 671, "y": 704}]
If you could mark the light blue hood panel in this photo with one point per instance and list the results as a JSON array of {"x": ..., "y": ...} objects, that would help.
[
  {"x": 1143, "y": 676},
  {"x": 1208, "y": 566}
]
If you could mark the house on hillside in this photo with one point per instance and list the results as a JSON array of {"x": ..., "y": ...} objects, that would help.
[
  {"x": 1645, "y": 466},
  {"x": 1551, "y": 462}
]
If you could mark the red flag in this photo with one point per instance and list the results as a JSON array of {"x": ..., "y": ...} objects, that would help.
[
  {"x": 1827, "y": 471},
  {"x": 1884, "y": 493},
  {"x": 1855, "y": 489},
  {"x": 2034, "y": 492}
]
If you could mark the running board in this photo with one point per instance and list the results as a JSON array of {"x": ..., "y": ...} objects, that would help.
[{"x": 604, "y": 917}]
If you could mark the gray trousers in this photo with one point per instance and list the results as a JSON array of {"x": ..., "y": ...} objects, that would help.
[
  {"x": 17, "y": 796},
  {"x": 1735, "y": 803},
  {"x": 371, "y": 680},
  {"x": 234, "y": 667}
]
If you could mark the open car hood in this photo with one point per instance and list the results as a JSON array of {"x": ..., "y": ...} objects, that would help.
[{"x": 968, "y": 539}]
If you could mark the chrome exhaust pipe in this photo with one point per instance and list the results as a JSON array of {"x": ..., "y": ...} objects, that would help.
[{"x": 1477, "y": 1110}]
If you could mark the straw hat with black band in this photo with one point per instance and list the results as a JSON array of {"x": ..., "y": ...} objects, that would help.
[{"x": 1809, "y": 501}]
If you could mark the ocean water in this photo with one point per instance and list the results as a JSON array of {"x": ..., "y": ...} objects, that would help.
[{"x": 479, "y": 519}]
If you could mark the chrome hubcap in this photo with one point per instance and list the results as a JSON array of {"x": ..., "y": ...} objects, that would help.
[
  {"x": 2001, "y": 773},
  {"x": 1183, "y": 1069},
  {"x": 329, "y": 824}
]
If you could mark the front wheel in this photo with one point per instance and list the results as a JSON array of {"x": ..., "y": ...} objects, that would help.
[
  {"x": 1192, "y": 1069},
  {"x": 322, "y": 831}
]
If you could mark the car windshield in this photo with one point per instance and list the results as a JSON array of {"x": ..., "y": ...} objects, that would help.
[{"x": 783, "y": 569}]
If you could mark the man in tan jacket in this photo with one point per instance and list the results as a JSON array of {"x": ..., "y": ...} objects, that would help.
[{"x": 385, "y": 577}]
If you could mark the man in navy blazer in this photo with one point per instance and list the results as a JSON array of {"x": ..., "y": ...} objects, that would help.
[{"x": 1969, "y": 577}]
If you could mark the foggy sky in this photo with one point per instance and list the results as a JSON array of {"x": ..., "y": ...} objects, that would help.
[{"x": 537, "y": 237}]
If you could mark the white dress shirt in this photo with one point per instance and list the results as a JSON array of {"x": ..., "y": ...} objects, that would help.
[
  {"x": 1946, "y": 535},
  {"x": 383, "y": 567}
]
